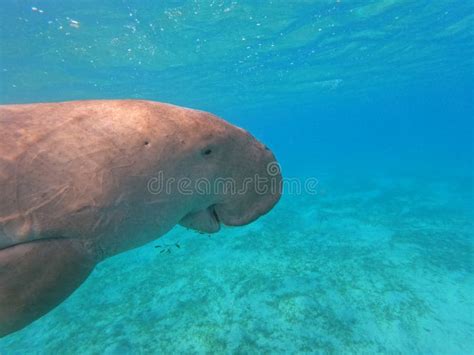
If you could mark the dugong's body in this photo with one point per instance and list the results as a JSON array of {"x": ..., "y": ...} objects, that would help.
[{"x": 81, "y": 181}]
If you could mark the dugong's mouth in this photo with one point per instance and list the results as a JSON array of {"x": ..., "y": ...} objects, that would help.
[
  {"x": 214, "y": 214},
  {"x": 206, "y": 221}
]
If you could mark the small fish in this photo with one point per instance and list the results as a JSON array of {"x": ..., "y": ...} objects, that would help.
[
  {"x": 157, "y": 246},
  {"x": 177, "y": 245}
]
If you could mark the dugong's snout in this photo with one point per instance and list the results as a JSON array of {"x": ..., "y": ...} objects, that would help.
[
  {"x": 249, "y": 188},
  {"x": 257, "y": 186},
  {"x": 244, "y": 176}
]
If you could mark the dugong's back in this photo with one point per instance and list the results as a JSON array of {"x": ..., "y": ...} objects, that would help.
[
  {"x": 58, "y": 165},
  {"x": 23, "y": 135},
  {"x": 55, "y": 160}
]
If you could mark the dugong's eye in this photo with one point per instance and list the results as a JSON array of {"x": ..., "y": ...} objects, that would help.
[{"x": 207, "y": 152}]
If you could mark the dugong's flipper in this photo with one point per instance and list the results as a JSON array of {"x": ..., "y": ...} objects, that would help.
[{"x": 37, "y": 276}]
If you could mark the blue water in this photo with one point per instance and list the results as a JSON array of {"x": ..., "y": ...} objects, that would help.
[{"x": 374, "y": 99}]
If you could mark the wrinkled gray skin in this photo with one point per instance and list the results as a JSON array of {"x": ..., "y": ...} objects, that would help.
[{"x": 75, "y": 189}]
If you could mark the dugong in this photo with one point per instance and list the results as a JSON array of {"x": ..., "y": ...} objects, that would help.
[{"x": 81, "y": 181}]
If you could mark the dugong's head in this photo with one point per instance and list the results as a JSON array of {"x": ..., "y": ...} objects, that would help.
[{"x": 233, "y": 178}]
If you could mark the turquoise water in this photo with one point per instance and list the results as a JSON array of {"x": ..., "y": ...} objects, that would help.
[{"x": 374, "y": 99}]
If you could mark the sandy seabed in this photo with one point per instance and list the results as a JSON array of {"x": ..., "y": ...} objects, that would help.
[{"x": 364, "y": 266}]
